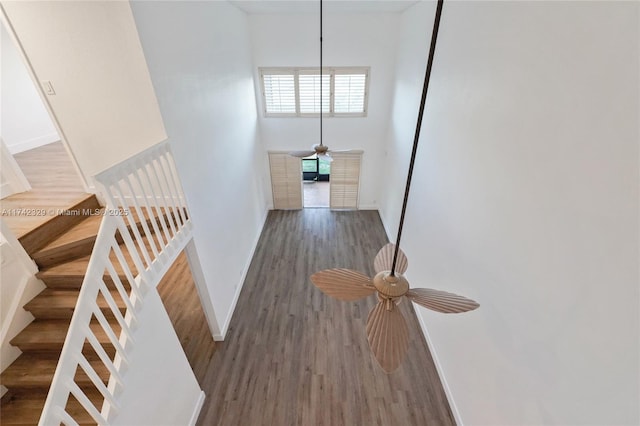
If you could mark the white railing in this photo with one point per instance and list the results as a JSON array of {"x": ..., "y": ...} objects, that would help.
[
  {"x": 144, "y": 228},
  {"x": 18, "y": 269}
]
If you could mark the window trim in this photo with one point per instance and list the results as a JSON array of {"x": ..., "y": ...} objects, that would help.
[{"x": 332, "y": 72}]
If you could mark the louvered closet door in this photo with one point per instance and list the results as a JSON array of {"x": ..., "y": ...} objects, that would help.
[
  {"x": 345, "y": 180},
  {"x": 286, "y": 181}
]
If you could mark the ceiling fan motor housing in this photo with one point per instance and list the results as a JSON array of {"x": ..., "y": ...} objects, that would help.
[
  {"x": 320, "y": 149},
  {"x": 390, "y": 286}
]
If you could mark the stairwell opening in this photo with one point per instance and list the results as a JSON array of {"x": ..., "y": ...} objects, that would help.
[{"x": 181, "y": 300}]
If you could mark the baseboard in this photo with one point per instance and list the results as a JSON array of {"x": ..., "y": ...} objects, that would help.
[
  {"x": 436, "y": 361},
  {"x": 368, "y": 207},
  {"x": 39, "y": 141},
  {"x": 236, "y": 296},
  {"x": 197, "y": 409}
]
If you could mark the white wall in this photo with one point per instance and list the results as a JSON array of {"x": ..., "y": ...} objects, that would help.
[
  {"x": 26, "y": 122},
  {"x": 354, "y": 39},
  {"x": 525, "y": 198},
  {"x": 90, "y": 51},
  {"x": 200, "y": 63},
  {"x": 171, "y": 398}
]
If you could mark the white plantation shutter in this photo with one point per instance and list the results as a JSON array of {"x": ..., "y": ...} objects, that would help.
[
  {"x": 349, "y": 93},
  {"x": 296, "y": 91},
  {"x": 286, "y": 181},
  {"x": 309, "y": 93},
  {"x": 279, "y": 93},
  {"x": 345, "y": 180}
]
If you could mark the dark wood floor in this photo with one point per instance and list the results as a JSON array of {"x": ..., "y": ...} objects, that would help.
[{"x": 293, "y": 356}]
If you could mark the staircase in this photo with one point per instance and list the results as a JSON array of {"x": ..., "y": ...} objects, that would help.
[
  {"x": 61, "y": 248},
  {"x": 96, "y": 320}
]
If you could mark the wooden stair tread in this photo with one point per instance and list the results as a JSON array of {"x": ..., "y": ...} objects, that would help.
[
  {"x": 36, "y": 370},
  {"x": 37, "y": 238},
  {"x": 59, "y": 304},
  {"x": 77, "y": 242},
  {"x": 73, "y": 268},
  {"x": 49, "y": 335},
  {"x": 71, "y": 274},
  {"x": 87, "y": 228},
  {"x": 22, "y": 408}
]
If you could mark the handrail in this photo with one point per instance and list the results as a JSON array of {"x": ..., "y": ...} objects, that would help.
[{"x": 145, "y": 226}]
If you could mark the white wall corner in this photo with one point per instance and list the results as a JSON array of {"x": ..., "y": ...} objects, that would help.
[
  {"x": 13, "y": 180},
  {"x": 5, "y": 189},
  {"x": 227, "y": 321},
  {"x": 201, "y": 287},
  {"x": 384, "y": 224}
]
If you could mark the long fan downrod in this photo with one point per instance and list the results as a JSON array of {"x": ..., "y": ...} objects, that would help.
[
  {"x": 425, "y": 88},
  {"x": 320, "y": 72}
]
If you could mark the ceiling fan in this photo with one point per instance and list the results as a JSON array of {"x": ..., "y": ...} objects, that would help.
[
  {"x": 322, "y": 151},
  {"x": 387, "y": 330}
]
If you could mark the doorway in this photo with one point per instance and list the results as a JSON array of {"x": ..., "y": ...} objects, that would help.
[
  {"x": 37, "y": 171},
  {"x": 341, "y": 193},
  {"x": 316, "y": 182},
  {"x": 26, "y": 122}
]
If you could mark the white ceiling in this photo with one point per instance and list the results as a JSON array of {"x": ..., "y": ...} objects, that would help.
[{"x": 330, "y": 6}]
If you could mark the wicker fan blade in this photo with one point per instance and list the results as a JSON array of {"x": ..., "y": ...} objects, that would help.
[
  {"x": 384, "y": 260},
  {"x": 301, "y": 154},
  {"x": 388, "y": 335},
  {"x": 441, "y": 301},
  {"x": 343, "y": 284}
]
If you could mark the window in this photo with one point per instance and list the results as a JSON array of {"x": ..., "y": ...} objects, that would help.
[
  {"x": 295, "y": 92},
  {"x": 309, "y": 93},
  {"x": 279, "y": 93},
  {"x": 349, "y": 93}
]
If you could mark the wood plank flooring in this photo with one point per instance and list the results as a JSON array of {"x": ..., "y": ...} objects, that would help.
[
  {"x": 55, "y": 186},
  {"x": 293, "y": 356}
]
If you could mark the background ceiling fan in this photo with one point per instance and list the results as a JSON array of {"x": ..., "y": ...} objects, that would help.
[
  {"x": 387, "y": 331},
  {"x": 320, "y": 149}
]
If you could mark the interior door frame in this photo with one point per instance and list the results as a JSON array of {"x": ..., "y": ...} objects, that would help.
[
  {"x": 4, "y": 20},
  {"x": 14, "y": 181}
]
